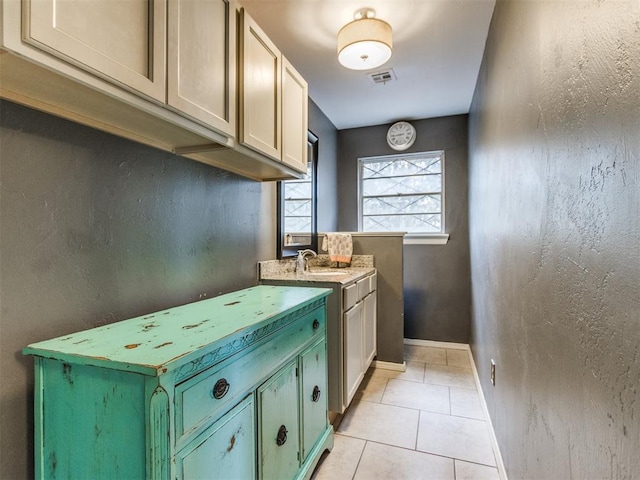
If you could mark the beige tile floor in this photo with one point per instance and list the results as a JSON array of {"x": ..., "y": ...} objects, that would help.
[{"x": 425, "y": 423}]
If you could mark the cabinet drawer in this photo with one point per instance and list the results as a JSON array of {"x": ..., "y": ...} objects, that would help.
[
  {"x": 373, "y": 282},
  {"x": 226, "y": 449},
  {"x": 198, "y": 399},
  {"x": 363, "y": 288},
  {"x": 349, "y": 296}
]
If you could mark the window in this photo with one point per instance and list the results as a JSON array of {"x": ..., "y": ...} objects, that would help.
[
  {"x": 297, "y": 208},
  {"x": 402, "y": 193}
]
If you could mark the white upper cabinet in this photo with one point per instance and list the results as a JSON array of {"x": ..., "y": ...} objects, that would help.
[
  {"x": 122, "y": 41},
  {"x": 198, "y": 78},
  {"x": 295, "y": 117},
  {"x": 202, "y": 61},
  {"x": 273, "y": 100},
  {"x": 260, "y": 95}
]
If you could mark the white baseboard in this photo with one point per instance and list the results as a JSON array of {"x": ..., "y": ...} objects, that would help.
[
  {"x": 433, "y": 343},
  {"x": 397, "y": 367},
  {"x": 494, "y": 441}
]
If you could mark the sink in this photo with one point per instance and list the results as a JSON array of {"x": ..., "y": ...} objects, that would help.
[{"x": 326, "y": 274}]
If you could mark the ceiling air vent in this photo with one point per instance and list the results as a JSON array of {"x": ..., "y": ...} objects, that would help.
[{"x": 383, "y": 76}]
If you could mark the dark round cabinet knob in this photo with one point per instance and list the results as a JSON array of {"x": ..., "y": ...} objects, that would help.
[
  {"x": 316, "y": 394},
  {"x": 220, "y": 389},
  {"x": 316, "y": 324},
  {"x": 282, "y": 435}
]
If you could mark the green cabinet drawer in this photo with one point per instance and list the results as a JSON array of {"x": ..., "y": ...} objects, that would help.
[
  {"x": 211, "y": 392},
  {"x": 278, "y": 425},
  {"x": 226, "y": 451},
  {"x": 313, "y": 365}
]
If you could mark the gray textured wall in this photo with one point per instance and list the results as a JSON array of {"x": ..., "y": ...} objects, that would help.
[
  {"x": 387, "y": 252},
  {"x": 555, "y": 236},
  {"x": 96, "y": 229},
  {"x": 327, "y": 135},
  {"x": 437, "y": 291}
]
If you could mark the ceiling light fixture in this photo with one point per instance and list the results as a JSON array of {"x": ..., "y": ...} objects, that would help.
[{"x": 364, "y": 43}]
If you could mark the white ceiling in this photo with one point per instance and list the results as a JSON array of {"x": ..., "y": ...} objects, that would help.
[{"x": 437, "y": 50}]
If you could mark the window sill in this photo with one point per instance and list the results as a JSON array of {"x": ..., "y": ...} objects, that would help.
[{"x": 427, "y": 239}]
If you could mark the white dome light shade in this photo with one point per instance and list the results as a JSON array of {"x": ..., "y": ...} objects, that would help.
[{"x": 364, "y": 44}]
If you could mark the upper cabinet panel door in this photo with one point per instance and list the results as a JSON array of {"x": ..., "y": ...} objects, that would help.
[
  {"x": 260, "y": 105},
  {"x": 294, "y": 117},
  {"x": 202, "y": 61},
  {"x": 121, "y": 41}
]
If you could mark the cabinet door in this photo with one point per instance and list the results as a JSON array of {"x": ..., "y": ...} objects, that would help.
[
  {"x": 353, "y": 357},
  {"x": 122, "y": 41},
  {"x": 369, "y": 324},
  {"x": 260, "y": 85},
  {"x": 225, "y": 451},
  {"x": 278, "y": 425},
  {"x": 201, "y": 61},
  {"x": 295, "y": 118},
  {"x": 313, "y": 364}
]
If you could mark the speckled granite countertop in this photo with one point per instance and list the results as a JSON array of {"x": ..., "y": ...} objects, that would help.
[{"x": 320, "y": 270}]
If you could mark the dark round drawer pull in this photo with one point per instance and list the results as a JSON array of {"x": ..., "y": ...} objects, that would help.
[
  {"x": 316, "y": 324},
  {"x": 282, "y": 435},
  {"x": 220, "y": 389},
  {"x": 316, "y": 394}
]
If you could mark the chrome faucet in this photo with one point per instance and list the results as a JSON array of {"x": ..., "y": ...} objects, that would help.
[{"x": 301, "y": 261}]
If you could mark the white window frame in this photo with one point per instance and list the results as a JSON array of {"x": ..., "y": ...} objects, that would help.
[{"x": 433, "y": 238}]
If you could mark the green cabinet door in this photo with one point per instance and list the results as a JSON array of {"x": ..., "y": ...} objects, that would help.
[
  {"x": 313, "y": 364},
  {"x": 226, "y": 451},
  {"x": 278, "y": 425}
]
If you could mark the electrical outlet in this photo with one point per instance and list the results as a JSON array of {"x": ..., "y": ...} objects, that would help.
[{"x": 493, "y": 372}]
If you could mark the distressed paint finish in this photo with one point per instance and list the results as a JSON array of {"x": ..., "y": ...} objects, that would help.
[
  {"x": 555, "y": 236},
  {"x": 105, "y": 412}
]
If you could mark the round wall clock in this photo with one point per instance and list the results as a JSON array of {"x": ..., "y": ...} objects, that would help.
[{"x": 401, "y": 135}]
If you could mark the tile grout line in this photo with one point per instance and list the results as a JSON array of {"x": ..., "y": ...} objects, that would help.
[
  {"x": 415, "y": 444},
  {"x": 439, "y": 455},
  {"x": 359, "y": 459}
]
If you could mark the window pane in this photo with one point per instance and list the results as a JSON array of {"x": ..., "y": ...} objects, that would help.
[
  {"x": 298, "y": 190},
  {"x": 402, "y": 185},
  {"x": 403, "y": 223},
  {"x": 297, "y": 208},
  {"x": 402, "y": 166},
  {"x": 297, "y": 225},
  {"x": 396, "y": 205}
]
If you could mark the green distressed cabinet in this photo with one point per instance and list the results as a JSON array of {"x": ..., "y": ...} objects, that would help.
[{"x": 234, "y": 387}]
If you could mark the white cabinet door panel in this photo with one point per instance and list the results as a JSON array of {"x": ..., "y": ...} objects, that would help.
[
  {"x": 353, "y": 351},
  {"x": 201, "y": 79},
  {"x": 123, "y": 41}
]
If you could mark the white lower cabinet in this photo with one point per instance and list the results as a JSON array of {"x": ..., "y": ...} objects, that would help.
[
  {"x": 353, "y": 355},
  {"x": 359, "y": 330}
]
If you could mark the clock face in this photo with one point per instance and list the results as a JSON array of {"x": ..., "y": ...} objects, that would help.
[{"x": 401, "y": 135}]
